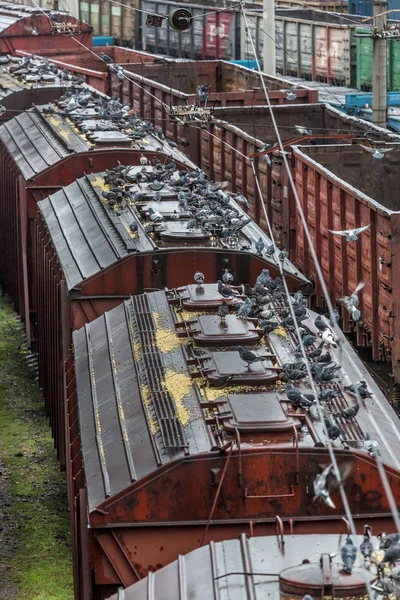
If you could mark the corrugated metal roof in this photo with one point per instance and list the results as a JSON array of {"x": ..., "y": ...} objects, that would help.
[
  {"x": 140, "y": 406},
  {"x": 199, "y": 575},
  {"x": 34, "y": 142},
  {"x": 11, "y": 13},
  {"x": 124, "y": 432},
  {"x": 89, "y": 236}
]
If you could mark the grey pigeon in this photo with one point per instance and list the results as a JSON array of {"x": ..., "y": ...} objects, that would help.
[
  {"x": 249, "y": 357},
  {"x": 321, "y": 488},
  {"x": 199, "y": 278},
  {"x": 349, "y": 413},
  {"x": 260, "y": 245},
  {"x": 392, "y": 554},
  {"x": 366, "y": 546},
  {"x": 349, "y": 554},
  {"x": 224, "y": 290},
  {"x": 351, "y": 235},
  {"x": 227, "y": 277}
]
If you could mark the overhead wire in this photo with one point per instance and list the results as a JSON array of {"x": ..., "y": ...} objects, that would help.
[{"x": 338, "y": 332}]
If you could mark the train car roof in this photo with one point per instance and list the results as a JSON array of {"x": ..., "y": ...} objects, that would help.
[
  {"x": 248, "y": 568},
  {"x": 11, "y": 12},
  {"x": 147, "y": 371},
  {"x": 88, "y": 234},
  {"x": 42, "y": 136}
]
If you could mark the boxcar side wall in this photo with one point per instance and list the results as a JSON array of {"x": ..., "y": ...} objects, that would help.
[{"x": 328, "y": 203}]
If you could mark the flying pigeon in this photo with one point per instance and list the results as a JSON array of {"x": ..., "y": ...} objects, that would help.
[
  {"x": 376, "y": 152},
  {"x": 303, "y": 130},
  {"x": 351, "y": 235}
]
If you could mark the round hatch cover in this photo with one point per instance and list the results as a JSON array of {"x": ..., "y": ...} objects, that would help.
[{"x": 324, "y": 578}]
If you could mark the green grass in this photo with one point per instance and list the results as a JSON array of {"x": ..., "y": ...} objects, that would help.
[{"x": 40, "y": 564}]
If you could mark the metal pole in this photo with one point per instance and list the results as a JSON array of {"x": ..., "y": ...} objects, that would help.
[
  {"x": 379, "y": 85},
  {"x": 269, "y": 37}
]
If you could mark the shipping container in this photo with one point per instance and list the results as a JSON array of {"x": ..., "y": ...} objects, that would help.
[
  {"x": 29, "y": 28},
  {"x": 221, "y": 570},
  {"x": 153, "y": 88},
  {"x": 343, "y": 187},
  {"x": 161, "y": 461},
  {"x": 88, "y": 262},
  {"x": 42, "y": 150}
]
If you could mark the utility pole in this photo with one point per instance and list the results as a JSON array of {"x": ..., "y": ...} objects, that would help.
[
  {"x": 269, "y": 37},
  {"x": 379, "y": 85}
]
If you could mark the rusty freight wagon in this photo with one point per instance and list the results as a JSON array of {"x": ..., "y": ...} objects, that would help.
[
  {"x": 155, "y": 88},
  {"x": 282, "y": 567},
  {"x": 88, "y": 261},
  {"x": 80, "y": 61},
  {"x": 42, "y": 150},
  {"x": 18, "y": 94},
  {"x": 343, "y": 187},
  {"x": 174, "y": 441},
  {"x": 29, "y": 28},
  {"x": 244, "y": 131}
]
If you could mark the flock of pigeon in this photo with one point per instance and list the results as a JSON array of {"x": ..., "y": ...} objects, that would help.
[{"x": 34, "y": 70}]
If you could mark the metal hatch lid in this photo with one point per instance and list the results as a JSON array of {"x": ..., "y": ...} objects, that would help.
[{"x": 259, "y": 412}]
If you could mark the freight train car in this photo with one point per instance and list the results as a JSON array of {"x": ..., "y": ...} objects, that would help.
[
  {"x": 46, "y": 148},
  {"x": 18, "y": 94},
  {"x": 153, "y": 87},
  {"x": 282, "y": 567},
  {"x": 175, "y": 441},
  {"x": 311, "y": 44},
  {"x": 342, "y": 187},
  {"x": 235, "y": 132},
  {"x": 91, "y": 256},
  {"x": 80, "y": 61},
  {"x": 29, "y": 28}
]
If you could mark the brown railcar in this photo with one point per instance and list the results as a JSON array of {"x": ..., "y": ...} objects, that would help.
[
  {"x": 165, "y": 457},
  {"x": 41, "y": 150},
  {"x": 88, "y": 262}
]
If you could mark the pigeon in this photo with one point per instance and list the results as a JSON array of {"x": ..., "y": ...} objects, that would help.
[
  {"x": 303, "y": 130},
  {"x": 348, "y": 413},
  {"x": 268, "y": 326},
  {"x": 143, "y": 160},
  {"x": 240, "y": 199},
  {"x": 264, "y": 277},
  {"x": 155, "y": 216},
  {"x": 249, "y": 357},
  {"x": 358, "y": 389},
  {"x": 225, "y": 291},
  {"x": 351, "y": 235},
  {"x": 324, "y": 358},
  {"x": 328, "y": 338},
  {"x": 378, "y": 153},
  {"x": 388, "y": 540},
  {"x": 297, "y": 397},
  {"x": 308, "y": 340},
  {"x": 290, "y": 95},
  {"x": 320, "y": 486},
  {"x": 270, "y": 251},
  {"x": 202, "y": 92},
  {"x": 106, "y": 58},
  {"x": 260, "y": 245},
  {"x": 372, "y": 447},
  {"x": 326, "y": 374},
  {"x": 223, "y": 310},
  {"x": 317, "y": 351},
  {"x": 133, "y": 227},
  {"x": 392, "y": 554},
  {"x": 227, "y": 277},
  {"x": 120, "y": 73},
  {"x": 332, "y": 430},
  {"x": 199, "y": 278},
  {"x": 328, "y": 393},
  {"x": 349, "y": 554},
  {"x": 320, "y": 324},
  {"x": 366, "y": 546},
  {"x": 351, "y": 302}
]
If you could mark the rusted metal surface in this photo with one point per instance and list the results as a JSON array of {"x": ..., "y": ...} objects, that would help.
[
  {"x": 248, "y": 568},
  {"x": 244, "y": 131},
  {"x": 341, "y": 187},
  {"x": 175, "y": 84},
  {"x": 17, "y": 22},
  {"x": 147, "y": 417},
  {"x": 44, "y": 152},
  {"x": 96, "y": 263}
]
